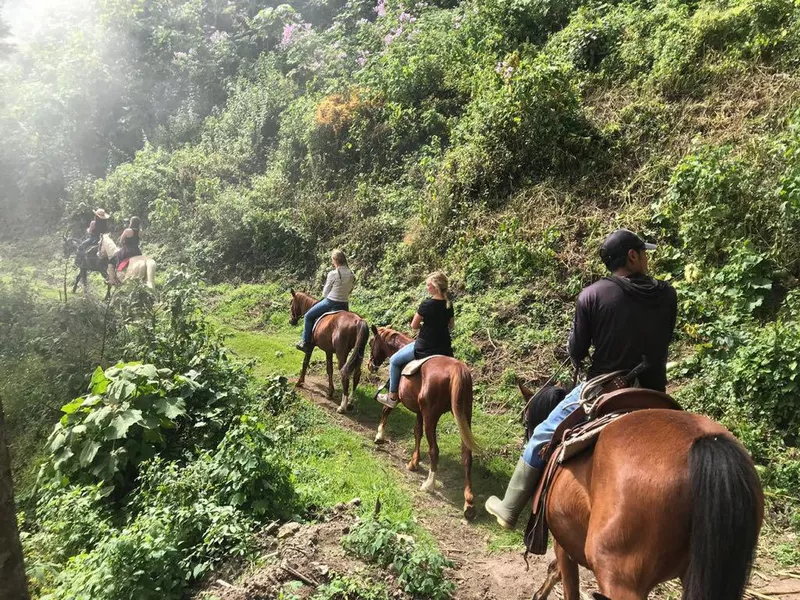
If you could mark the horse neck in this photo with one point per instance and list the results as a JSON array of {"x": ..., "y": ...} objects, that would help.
[
  {"x": 306, "y": 302},
  {"x": 395, "y": 340},
  {"x": 108, "y": 245}
]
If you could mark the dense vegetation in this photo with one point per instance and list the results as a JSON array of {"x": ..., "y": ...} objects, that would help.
[{"x": 499, "y": 140}]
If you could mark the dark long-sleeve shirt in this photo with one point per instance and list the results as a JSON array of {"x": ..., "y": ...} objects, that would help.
[{"x": 625, "y": 318}]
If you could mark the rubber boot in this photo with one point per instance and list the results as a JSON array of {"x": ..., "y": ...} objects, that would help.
[{"x": 518, "y": 495}]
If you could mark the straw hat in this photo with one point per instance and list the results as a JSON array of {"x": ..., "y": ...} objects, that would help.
[{"x": 101, "y": 214}]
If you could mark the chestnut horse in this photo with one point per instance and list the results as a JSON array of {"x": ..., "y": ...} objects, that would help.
[
  {"x": 442, "y": 384},
  {"x": 663, "y": 494},
  {"x": 339, "y": 333}
]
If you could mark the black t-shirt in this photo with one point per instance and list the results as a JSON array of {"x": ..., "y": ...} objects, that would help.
[
  {"x": 434, "y": 335},
  {"x": 625, "y": 318}
]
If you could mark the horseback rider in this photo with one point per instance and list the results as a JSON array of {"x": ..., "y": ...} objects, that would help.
[
  {"x": 97, "y": 227},
  {"x": 434, "y": 319},
  {"x": 624, "y": 316},
  {"x": 128, "y": 242},
  {"x": 335, "y": 296}
]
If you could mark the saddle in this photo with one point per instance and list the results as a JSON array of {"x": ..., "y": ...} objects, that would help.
[
  {"x": 322, "y": 316},
  {"x": 123, "y": 264},
  {"x": 415, "y": 365},
  {"x": 575, "y": 435}
]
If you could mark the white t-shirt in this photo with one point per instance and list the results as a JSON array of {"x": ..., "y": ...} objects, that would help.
[{"x": 339, "y": 284}]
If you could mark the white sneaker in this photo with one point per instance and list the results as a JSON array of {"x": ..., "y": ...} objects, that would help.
[{"x": 385, "y": 400}]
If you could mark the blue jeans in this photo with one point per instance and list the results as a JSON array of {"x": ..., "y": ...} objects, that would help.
[
  {"x": 399, "y": 360},
  {"x": 545, "y": 430},
  {"x": 315, "y": 312},
  {"x": 90, "y": 241}
]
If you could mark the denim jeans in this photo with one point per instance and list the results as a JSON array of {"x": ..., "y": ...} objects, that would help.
[
  {"x": 90, "y": 241},
  {"x": 315, "y": 312},
  {"x": 399, "y": 360},
  {"x": 545, "y": 430}
]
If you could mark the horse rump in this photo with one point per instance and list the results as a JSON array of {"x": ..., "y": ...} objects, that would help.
[{"x": 727, "y": 510}]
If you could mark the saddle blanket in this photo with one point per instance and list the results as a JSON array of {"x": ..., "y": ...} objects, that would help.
[
  {"x": 415, "y": 365},
  {"x": 121, "y": 266},
  {"x": 333, "y": 312}
]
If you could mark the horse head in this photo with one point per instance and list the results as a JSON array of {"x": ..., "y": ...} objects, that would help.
[
  {"x": 69, "y": 245},
  {"x": 299, "y": 306},
  {"x": 378, "y": 350}
]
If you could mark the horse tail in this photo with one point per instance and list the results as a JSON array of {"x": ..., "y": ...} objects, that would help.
[
  {"x": 357, "y": 354},
  {"x": 727, "y": 510},
  {"x": 461, "y": 404}
]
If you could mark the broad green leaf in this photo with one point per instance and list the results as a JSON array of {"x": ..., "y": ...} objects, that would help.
[
  {"x": 171, "y": 407},
  {"x": 120, "y": 424},
  {"x": 72, "y": 406},
  {"x": 99, "y": 382},
  {"x": 89, "y": 451}
]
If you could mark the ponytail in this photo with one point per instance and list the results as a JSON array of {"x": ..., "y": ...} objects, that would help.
[{"x": 439, "y": 281}]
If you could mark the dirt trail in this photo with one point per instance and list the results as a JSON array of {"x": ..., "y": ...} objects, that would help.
[{"x": 479, "y": 575}]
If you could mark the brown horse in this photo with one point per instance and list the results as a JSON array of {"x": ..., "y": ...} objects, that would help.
[
  {"x": 442, "y": 384},
  {"x": 664, "y": 494},
  {"x": 344, "y": 334}
]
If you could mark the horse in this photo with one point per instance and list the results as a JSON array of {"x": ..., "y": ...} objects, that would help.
[
  {"x": 86, "y": 261},
  {"x": 442, "y": 384},
  {"x": 663, "y": 494},
  {"x": 139, "y": 267},
  {"x": 342, "y": 333}
]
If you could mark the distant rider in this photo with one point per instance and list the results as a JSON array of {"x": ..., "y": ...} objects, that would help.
[
  {"x": 128, "y": 242},
  {"x": 624, "y": 316},
  {"x": 434, "y": 319},
  {"x": 97, "y": 227},
  {"x": 335, "y": 296}
]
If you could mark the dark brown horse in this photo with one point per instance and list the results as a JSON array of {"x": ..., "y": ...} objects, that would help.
[
  {"x": 86, "y": 261},
  {"x": 664, "y": 494},
  {"x": 442, "y": 384},
  {"x": 344, "y": 334}
]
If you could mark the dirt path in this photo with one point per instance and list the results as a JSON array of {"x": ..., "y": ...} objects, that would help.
[{"x": 478, "y": 574}]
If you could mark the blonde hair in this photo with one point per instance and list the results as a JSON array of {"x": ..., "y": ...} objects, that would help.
[
  {"x": 439, "y": 281},
  {"x": 338, "y": 257}
]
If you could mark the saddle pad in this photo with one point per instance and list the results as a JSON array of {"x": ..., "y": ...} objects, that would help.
[
  {"x": 121, "y": 266},
  {"x": 323, "y": 315},
  {"x": 415, "y": 365},
  {"x": 585, "y": 436}
]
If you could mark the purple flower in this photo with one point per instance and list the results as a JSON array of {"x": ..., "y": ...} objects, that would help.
[
  {"x": 380, "y": 8},
  {"x": 406, "y": 18},
  {"x": 361, "y": 60},
  {"x": 290, "y": 30},
  {"x": 457, "y": 23}
]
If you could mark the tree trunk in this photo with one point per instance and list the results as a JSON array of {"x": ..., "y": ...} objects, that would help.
[{"x": 14, "y": 585}]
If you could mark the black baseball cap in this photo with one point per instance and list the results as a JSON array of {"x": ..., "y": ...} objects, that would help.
[{"x": 618, "y": 243}]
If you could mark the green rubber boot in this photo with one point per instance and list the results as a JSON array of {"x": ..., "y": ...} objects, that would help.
[{"x": 519, "y": 493}]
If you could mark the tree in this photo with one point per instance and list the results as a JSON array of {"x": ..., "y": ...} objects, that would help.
[{"x": 12, "y": 567}]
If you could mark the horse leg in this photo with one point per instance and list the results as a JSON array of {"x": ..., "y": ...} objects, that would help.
[
  {"x": 329, "y": 366},
  {"x": 306, "y": 360},
  {"x": 553, "y": 577},
  {"x": 570, "y": 578},
  {"x": 379, "y": 437},
  {"x": 469, "y": 498},
  {"x": 77, "y": 280},
  {"x": 346, "y": 402},
  {"x": 413, "y": 464},
  {"x": 429, "y": 423}
]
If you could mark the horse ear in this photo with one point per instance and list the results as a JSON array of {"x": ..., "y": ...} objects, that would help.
[
  {"x": 526, "y": 392},
  {"x": 374, "y": 330},
  {"x": 292, "y": 291}
]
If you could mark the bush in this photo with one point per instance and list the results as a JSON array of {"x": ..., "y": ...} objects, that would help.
[{"x": 420, "y": 569}]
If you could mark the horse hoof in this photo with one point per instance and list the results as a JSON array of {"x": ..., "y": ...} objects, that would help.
[
  {"x": 340, "y": 410},
  {"x": 427, "y": 487},
  {"x": 378, "y": 440},
  {"x": 299, "y": 384},
  {"x": 412, "y": 466},
  {"x": 470, "y": 513}
]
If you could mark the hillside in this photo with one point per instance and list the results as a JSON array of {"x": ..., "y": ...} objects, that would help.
[{"x": 497, "y": 140}]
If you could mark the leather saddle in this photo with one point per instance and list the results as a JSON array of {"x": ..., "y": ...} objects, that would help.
[
  {"x": 415, "y": 365},
  {"x": 575, "y": 435}
]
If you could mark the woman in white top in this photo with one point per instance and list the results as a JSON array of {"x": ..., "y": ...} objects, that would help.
[{"x": 335, "y": 296}]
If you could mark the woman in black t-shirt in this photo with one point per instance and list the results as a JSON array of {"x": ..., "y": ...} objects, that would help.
[{"x": 434, "y": 319}]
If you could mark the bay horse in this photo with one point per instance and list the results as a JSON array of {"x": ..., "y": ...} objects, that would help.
[
  {"x": 139, "y": 267},
  {"x": 663, "y": 494},
  {"x": 86, "y": 262},
  {"x": 441, "y": 385},
  {"x": 344, "y": 334}
]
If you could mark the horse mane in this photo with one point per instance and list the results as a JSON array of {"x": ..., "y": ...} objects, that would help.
[
  {"x": 306, "y": 300},
  {"x": 392, "y": 338}
]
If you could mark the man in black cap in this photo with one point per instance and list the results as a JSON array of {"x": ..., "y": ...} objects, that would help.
[{"x": 625, "y": 316}]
